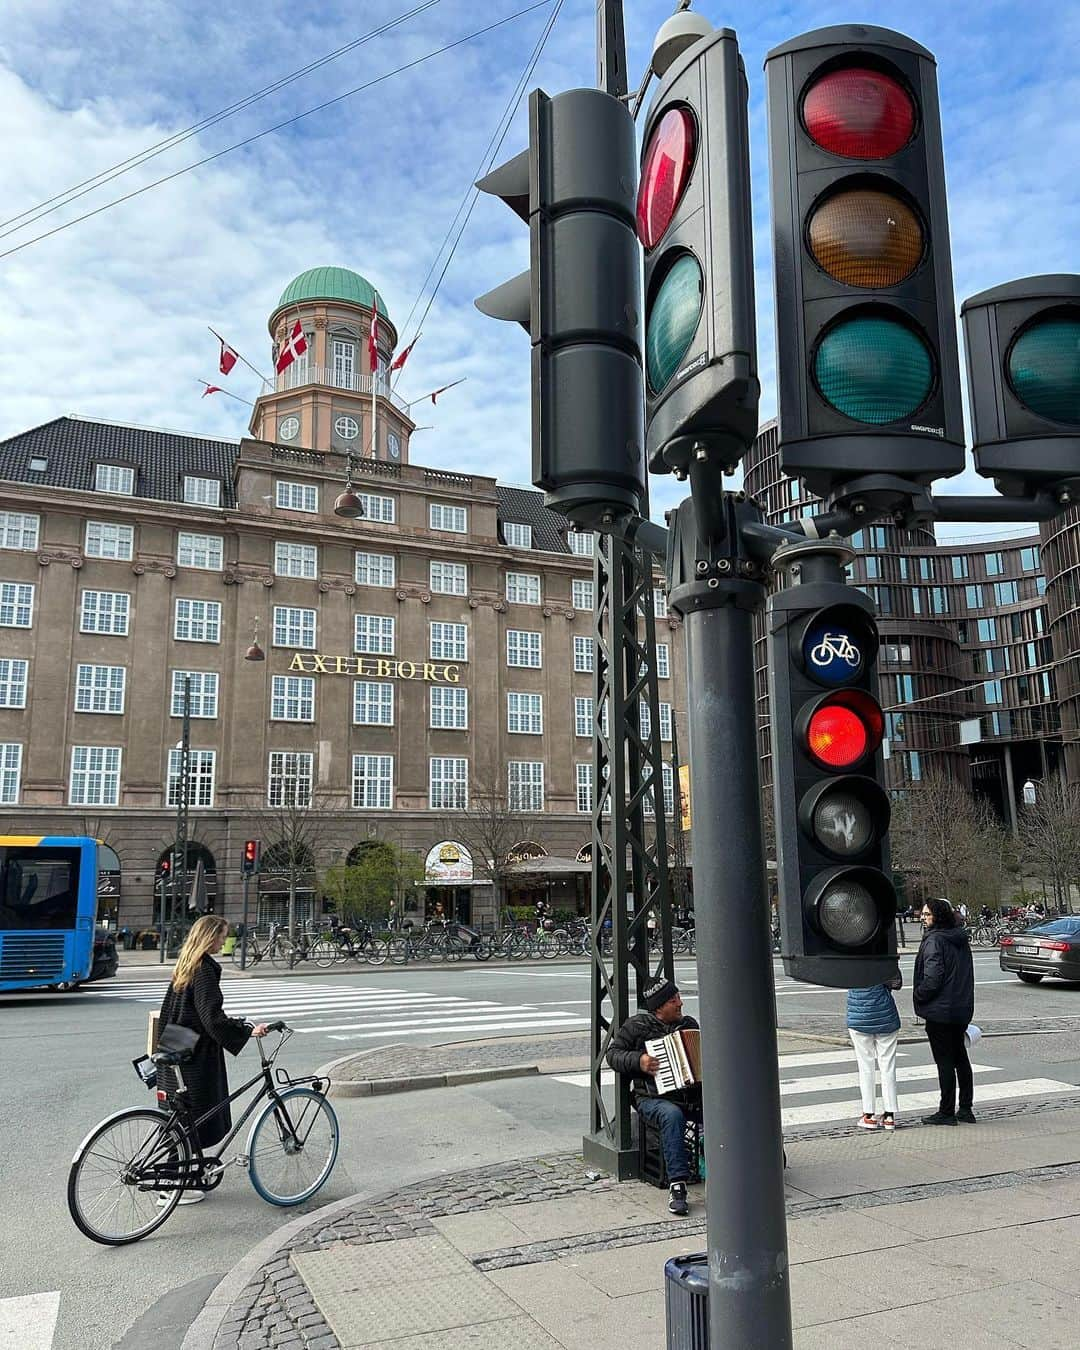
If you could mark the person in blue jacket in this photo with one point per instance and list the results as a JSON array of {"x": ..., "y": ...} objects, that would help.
[{"x": 873, "y": 1022}]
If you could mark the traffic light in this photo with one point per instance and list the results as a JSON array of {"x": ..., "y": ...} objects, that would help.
[
  {"x": 1023, "y": 363},
  {"x": 867, "y": 368},
  {"x": 250, "y": 863},
  {"x": 837, "y": 903},
  {"x": 580, "y": 301},
  {"x": 693, "y": 220}
]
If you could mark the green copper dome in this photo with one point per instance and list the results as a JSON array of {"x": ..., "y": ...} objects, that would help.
[{"x": 330, "y": 283}]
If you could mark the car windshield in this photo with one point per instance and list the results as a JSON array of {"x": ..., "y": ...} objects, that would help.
[{"x": 1058, "y": 928}]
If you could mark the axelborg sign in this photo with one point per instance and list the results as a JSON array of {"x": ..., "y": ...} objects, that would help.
[{"x": 376, "y": 667}]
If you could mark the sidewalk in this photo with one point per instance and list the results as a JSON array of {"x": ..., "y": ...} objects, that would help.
[{"x": 928, "y": 1238}]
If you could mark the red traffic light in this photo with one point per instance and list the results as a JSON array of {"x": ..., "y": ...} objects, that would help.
[
  {"x": 859, "y": 113},
  {"x": 841, "y": 730},
  {"x": 251, "y": 850},
  {"x": 664, "y": 174}
]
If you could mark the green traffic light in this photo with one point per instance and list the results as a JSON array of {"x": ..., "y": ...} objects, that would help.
[
  {"x": 873, "y": 369},
  {"x": 673, "y": 320},
  {"x": 1044, "y": 368}
]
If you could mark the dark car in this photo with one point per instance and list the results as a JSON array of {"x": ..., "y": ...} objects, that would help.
[
  {"x": 105, "y": 960},
  {"x": 1048, "y": 948}
]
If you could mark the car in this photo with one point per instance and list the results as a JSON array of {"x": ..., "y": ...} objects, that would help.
[
  {"x": 1051, "y": 947},
  {"x": 106, "y": 960}
]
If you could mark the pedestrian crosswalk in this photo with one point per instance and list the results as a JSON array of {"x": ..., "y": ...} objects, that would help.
[
  {"x": 831, "y": 1094},
  {"x": 362, "y": 1013}
]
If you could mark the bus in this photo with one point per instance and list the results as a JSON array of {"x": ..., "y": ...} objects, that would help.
[{"x": 48, "y": 909}]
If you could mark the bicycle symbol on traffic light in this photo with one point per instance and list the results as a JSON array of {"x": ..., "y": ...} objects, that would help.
[{"x": 835, "y": 647}]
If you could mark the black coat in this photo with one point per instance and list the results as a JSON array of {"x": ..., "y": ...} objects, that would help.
[
  {"x": 944, "y": 986},
  {"x": 198, "y": 1006},
  {"x": 628, "y": 1045}
]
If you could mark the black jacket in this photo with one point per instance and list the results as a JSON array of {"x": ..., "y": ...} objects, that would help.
[
  {"x": 198, "y": 1006},
  {"x": 944, "y": 988},
  {"x": 628, "y": 1045}
]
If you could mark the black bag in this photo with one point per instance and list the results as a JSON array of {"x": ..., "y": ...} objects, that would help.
[{"x": 178, "y": 1040}]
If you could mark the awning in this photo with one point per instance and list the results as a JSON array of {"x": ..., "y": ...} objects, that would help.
[
  {"x": 449, "y": 883},
  {"x": 548, "y": 867}
]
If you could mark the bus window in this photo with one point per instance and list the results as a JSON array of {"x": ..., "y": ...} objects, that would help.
[{"x": 38, "y": 889}]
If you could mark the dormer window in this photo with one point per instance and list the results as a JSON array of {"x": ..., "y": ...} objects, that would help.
[
  {"x": 517, "y": 535},
  {"x": 202, "y": 491},
  {"x": 38, "y": 464},
  {"x": 118, "y": 478}
]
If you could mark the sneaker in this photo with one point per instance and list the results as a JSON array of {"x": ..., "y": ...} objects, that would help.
[
  {"x": 677, "y": 1198},
  {"x": 938, "y": 1119},
  {"x": 967, "y": 1115},
  {"x": 867, "y": 1122},
  {"x": 887, "y": 1121}
]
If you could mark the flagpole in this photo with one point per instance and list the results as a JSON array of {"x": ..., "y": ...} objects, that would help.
[
  {"x": 207, "y": 386},
  {"x": 420, "y": 397},
  {"x": 242, "y": 358},
  {"x": 374, "y": 377}
]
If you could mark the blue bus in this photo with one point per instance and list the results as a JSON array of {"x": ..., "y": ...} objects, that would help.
[{"x": 48, "y": 909}]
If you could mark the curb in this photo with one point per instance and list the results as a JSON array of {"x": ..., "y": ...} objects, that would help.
[{"x": 377, "y": 1087}]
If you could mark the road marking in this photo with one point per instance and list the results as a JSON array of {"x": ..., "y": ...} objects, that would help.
[
  {"x": 570, "y": 1023},
  {"x": 795, "y": 1087},
  {"x": 29, "y": 1322},
  {"x": 512, "y": 1013},
  {"x": 825, "y": 1112}
]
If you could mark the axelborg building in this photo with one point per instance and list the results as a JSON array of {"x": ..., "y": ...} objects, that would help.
[{"x": 441, "y": 643}]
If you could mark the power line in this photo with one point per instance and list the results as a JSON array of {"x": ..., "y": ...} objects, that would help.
[
  {"x": 279, "y": 126},
  {"x": 88, "y": 185}
]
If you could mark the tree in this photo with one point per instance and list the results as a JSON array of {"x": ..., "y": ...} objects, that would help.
[
  {"x": 295, "y": 835},
  {"x": 489, "y": 827},
  {"x": 1050, "y": 838},
  {"x": 375, "y": 876}
]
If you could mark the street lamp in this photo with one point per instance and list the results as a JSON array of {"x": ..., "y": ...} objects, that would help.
[
  {"x": 1030, "y": 794},
  {"x": 255, "y": 652},
  {"x": 179, "y": 863}
]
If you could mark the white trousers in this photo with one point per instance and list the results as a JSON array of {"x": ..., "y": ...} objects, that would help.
[{"x": 879, "y": 1051}]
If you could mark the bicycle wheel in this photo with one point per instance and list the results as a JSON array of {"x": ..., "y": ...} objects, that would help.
[
  {"x": 324, "y": 953},
  {"x": 376, "y": 951},
  {"x": 398, "y": 950},
  {"x": 112, "y": 1192},
  {"x": 282, "y": 953},
  {"x": 547, "y": 945},
  {"x": 482, "y": 950},
  {"x": 288, "y": 1165}
]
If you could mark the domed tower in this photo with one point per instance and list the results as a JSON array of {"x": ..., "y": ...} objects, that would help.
[{"x": 329, "y": 398}]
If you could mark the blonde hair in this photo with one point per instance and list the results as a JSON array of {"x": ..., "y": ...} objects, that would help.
[{"x": 204, "y": 935}]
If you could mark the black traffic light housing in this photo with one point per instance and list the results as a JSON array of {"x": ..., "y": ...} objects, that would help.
[
  {"x": 576, "y": 188},
  {"x": 1023, "y": 364},
  {"x": 867, "y": 367},
  {"x": 837, "y": 905},
  {"x": 250, "y": 862},
  {"x": 701, "y": 361}
]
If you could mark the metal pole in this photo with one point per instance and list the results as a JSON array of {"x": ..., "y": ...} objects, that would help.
[
  {"x": 1010, "y": 793},
  {"x": 610, "y": 48},
  {"x": 244, "y": 924}
]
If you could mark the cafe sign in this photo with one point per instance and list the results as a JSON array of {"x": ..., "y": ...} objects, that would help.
[
  {"x": 448, "y": 862},
  {"x": 376, "y": 668}
]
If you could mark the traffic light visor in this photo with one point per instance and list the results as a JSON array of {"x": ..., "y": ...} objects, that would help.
[
  {"x": 665, "y": 173},
  {"x": 673, "y": 320},
  {"x": 1044, "y": 367},
  {"x": 842, "y": 730},
  {"x": 866, "y": 236},
  {"x": 873, "y": 368},
  {"x": 857, "y": 112}
]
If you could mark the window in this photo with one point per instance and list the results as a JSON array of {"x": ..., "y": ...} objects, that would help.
[
  {"x": 448, "y": 784},
  {"x": 373, "y": 704},
  {"x": 289, "y": 778},
  {"x": 1006, "y": 592},
  {"x": 292, "y": 698},
  {"x": 294, "y": 627},
  {"x": 374, "y": 569},
  {"x": 106, "y": 540},
  {"x": 449, "y": 707},
  {"x": 373, "y": 781},
  {"x": 373, "y": 634},
  {"x": 448, "y": 578},
  {"x": 524, "y": 649},
  {"x": 449, "y": 642},
  {"x": 916, "y": 600},
  {"x": 202, "y": 491},
  {"x": 13, "y": 683},
  {"x": 202, "y": 693},
  {"x": 582, "y": 543},
  {"x": 10, "y": 772},
  {"x": 348, "y": 428},
  {"x": 200, "y": 778},
  {"x": 939, "y": 599},
  {"x": 523, "y": 588},
  {"x": 663, "y": 661},
  {"x": 199, "y": 550},
  {"x": 16, "y": 604},
  {"x": 526, "y": 780},
  {"x": 973, "y": 596},
  {"x": 100, "y": 689},
  {"x": 992, "y": 691},
  {"x": 344, "y": 355},
  {"x": 95, "y": 775},
  {"x": 584, "y": 655},
  {"x": 914, "y": 766},
  {"x": 583, "y": 717},
  {"x": 873, "y": 566},
  {"x": 926, "y": 569},
  {"x": 19, "y": 530},
  {"x": 1040, "y": 585},
  {"x": 959, "y": 567},
  {"x": 995, "y": 564},
  {"x": 902, "y": 564},
  {"x": 105, "y": 612},
  {"x": 525, "y": 714},
  {"x": 905, "y": 688},
  {"x": 879, "y": 537},
  {"x": 38, "y": 464},
  {"x": 581, "y": 594},
  {"x": 377, "y": 508},
  {"x": 443, "y": 517},
  {"x": 114, "y": 478},
  {"x": 668, "y": 775},
  {"x": 659, "y": 602},
  {"x": 297, "y": 497},
  {"x": 517, "y": 536},
  {"x": 296, "y": 560},
  {"x": 583, "y": 775},
  {"x": 665, "y": 721},
  {"x": 987, "y": 630},
  {"x": 1029, "y": 559},
  {"x": 197, "y": 621}
]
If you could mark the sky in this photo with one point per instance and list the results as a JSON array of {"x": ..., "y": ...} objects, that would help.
[{"x": 108, "y": 317}]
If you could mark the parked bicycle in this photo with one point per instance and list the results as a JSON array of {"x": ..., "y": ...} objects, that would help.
[{"x": 130, "y": 1171}]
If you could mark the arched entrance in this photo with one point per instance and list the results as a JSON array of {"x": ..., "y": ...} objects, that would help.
[
  {"x": 283, "y": 869},
  {"x": 108, "y": 905}
]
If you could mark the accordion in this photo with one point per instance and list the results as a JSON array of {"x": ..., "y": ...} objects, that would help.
[{"x": 680, "y": 1061}]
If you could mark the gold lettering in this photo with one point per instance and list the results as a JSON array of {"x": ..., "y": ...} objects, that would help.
[
  {"x": 411, "y": 670},
  {"x": 357, "y": 663},
  {"x": 341, "y": 665},
  {"x": 298, "y": 662},
  {"x": 382, "y": 668},
  {"x": 429, "y": 671},
  {"x": 453, "y": 674}
]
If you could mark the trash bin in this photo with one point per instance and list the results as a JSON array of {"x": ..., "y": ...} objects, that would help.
[
  {"x": 229, "y": 945},
  {"x": 686, "y": 1295},
  {"x": 127, "y": 939}
]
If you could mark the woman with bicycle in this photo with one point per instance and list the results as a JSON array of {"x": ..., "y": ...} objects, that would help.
[{"x": 193, "y": 1000}]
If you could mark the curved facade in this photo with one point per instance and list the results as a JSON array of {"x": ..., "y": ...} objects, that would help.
[{"x": 1061, "y": 560}]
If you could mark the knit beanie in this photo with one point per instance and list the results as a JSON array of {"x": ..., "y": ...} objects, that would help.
[{"x": 658, "y": 993}]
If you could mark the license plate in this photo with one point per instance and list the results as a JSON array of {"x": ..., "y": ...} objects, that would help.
[{"x": 1025, "y": 951}]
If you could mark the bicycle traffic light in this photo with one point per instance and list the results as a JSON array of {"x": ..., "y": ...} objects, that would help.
[
  {"x": 1023, "y": 362},
  {"x": 580, "y": 301},
  {"x": 693, "y": 220},
  {"x": 867, "y": 368},
  {"x": 250, "y": 863},
  {"x": 837, "y": 902}
]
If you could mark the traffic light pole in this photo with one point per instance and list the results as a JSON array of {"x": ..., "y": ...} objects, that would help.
[{"x": 244, "y": 922}]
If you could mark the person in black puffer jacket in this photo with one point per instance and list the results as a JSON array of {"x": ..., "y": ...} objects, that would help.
[{"x": 944, "y": 997}]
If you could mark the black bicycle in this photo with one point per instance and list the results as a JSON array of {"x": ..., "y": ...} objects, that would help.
[{"x": 129, "y": 1172}]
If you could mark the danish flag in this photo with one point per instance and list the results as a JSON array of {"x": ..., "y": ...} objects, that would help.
[
  {"x": 373, "y": 336},
  {"x": 228, "y": 358},
  {"x": 295, "y": 345}
]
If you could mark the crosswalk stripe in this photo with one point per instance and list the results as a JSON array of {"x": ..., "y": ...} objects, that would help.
[
  {"x": 29, "y": 1321},
  {"x": 516, "y": 1012},
  {"x": 795, "y": 1087},
  {"x": 458, "y": 1026},
  {"x": 825, "y": 1112}
]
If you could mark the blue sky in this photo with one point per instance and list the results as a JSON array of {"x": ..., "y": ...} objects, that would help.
[{"x": 108, "y": 318}]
